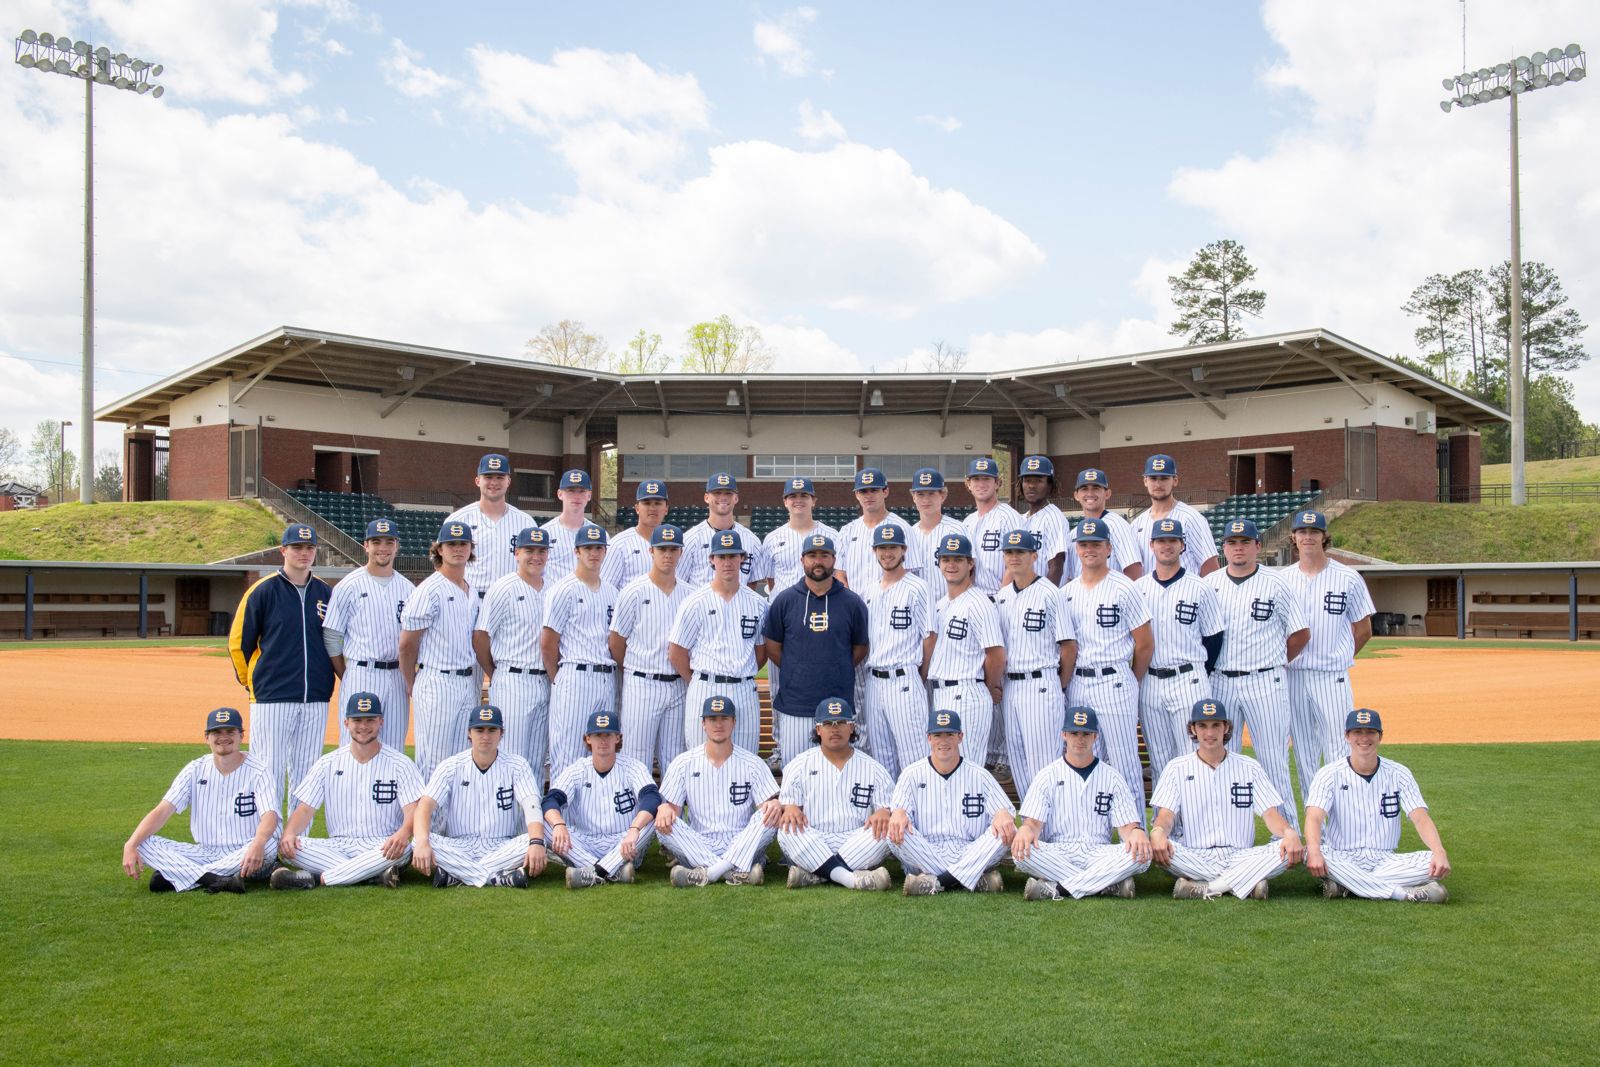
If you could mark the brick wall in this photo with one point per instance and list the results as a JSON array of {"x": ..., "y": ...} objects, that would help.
[
  {"x": 1466, "y": 471},
  {"x": 403, "y": 466},
  {"x": 197, "y": 466},
  {"x": 1408, "y": 465}
]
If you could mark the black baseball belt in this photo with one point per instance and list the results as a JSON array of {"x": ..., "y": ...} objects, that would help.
[
  {"x": 1094, "y": 672},
  {"x": 1171, "y": 672},
  {"x": 723, "y": 679},
  {"x": 598, "y": 668},
  {"x": 895, "y": 672},
  {"x": 657, "y": 677},
  {"x": 525, "y": 670},
  {"x": 462, "y": 673},
  {"x": 1017, "y": 676},
  {"x": 379, "y": 664},
  {"x": 944, "y": 683},
  {"x": 1241, "y": 674}
]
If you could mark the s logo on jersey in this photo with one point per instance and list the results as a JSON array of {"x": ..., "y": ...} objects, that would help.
[
  {"x": 609, "y": 611},
  {"x": 739, "y": 793},
  {"x": 991, "y": 540},
  {"x": 505, "y": 798},
  {"x": 385, "y": 792},
  {"x": 900, "y": 618},
  {"x": 1389, "y": 805},
  {"x": 1102, "y": 803},
  {"x": 748, "y": 625},
  {"x": 1186, "y": 612},
  {"x": 972, "y": 805},
  {"x": 956, "y": 628},
  {"x": 861, "y": 795},
  {"x": 1033, "y": 620},
  {"x": 399, "y": 610},
  {"x": 1108, "y": 615},
  {"x": 244, "y": 805},
  {"x": 1261, "y": 610},
  {"x": 817, "y": 622},
  {"x": 322, "y": 610},
  {"x": 1333, "y": 603},
  {"x": 623, "y": 801},
  {"x": 1243, "y": 794}
]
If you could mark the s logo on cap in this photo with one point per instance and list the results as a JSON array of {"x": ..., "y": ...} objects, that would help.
[
  {"x": 1209, "y": 709},
  {"x": 1080, "y": 719},
  {"x": 485, "y": 714},
  {"x": 594, "y": 533},
  {"x": 1308, "y": 516},
  {"x": 303, "y": 533},
  {"x": 652, "y": 487},
  {"x": 223, "y": 715},
  {"x": 493, "y": 463},
  {"x": 1236, "y": 527},
  {"x": 383, "y": 525},
  {"x": 1033, "y": 463},
  {"x": 943, "y": 718},
  {"x": 1165, "y": 526},
  {"x": 456, "y": 529},
  {"x": 835, "y": 708},
  {"x": 669, "y": 535},
  {"x": 718, "y": 704},
  {"x": 602, "y": 720},
  {"x": 1158, "y": 464},
  {"x": 722, "y": 479},
  {"x": 951, "y": 544},
  {"x": 1363, "y": 717},
  {"x": 364, "y": 704},
  {"x": 924, "y": 478}
]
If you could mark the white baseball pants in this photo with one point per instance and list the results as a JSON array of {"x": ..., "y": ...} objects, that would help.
[
  {"x": 1164, "y": 707},
  {"x": 1115, "y": 699},
  {"x": 1376, "y": 873},
  {"x": 1080, "y": 868},
  {"x": 603, "y": 850},
  {"x": 390, "y": 689},
  {"x": 573, "y": 697},
  {"x": 1260, "y": 700},
  {"x": 475, "y": 860},
  {"x": 1032, "y": 710},
  {"x": 1238, "y": 869},
  {"x": 344, "y": 860},
  {"x": 182, "y": 863},
  {"x": 811, "y": 848},
  {"x": 440, "y": 706},
  {"x": 651, "y": 712},
  {"x": 969, "y": 699},
  {"x": 288, "y": 738},
  {"x": 1320, "y": 701},
  {"x": 898, "y": 708},
  {"x": 705, "y": 849},
  {"x": 524, "y": 701},
  {"x": 965, "y": 861},
  {"x": 747, "y": 709}
]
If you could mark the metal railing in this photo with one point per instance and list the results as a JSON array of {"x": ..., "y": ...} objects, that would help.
[
  {"x": 1538, "y": 493},
  {"x": 327, "y": 533}
]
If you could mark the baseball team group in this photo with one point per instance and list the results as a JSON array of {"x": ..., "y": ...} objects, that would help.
[{"x": 914, "y": 668}]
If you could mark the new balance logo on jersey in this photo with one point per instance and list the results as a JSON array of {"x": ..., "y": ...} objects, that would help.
[
  {"x": 623, "y": 801},
  {"x": 1261, "y": 610},
  {"x": 1033, "y": 620},
  {"x": 1186, "y": 612},
  {"x": 861, "y": 795},
  {"x": 991, "y": 540},
  {"x": 385, "y": 792},
  {"x": 1102, "y": 803},
  {"x": 748, "y": 625},
  {"x": 1108, "y": 615},
  {"x": 1389, "y": 805},
  {"x": 739, "y": 793},
  {"x": 956, "y": 628},
  {"x": 244, "y": 805},
  {"x": 900, "y": 618},
  {"x": 972, "y": 805},
  {"x": 504, "y": 798},
  {"x": 1333, "y": 603},
  {"x": 1243, "y": 794}
]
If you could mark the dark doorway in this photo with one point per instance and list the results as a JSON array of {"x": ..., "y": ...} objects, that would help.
[
  {"x": 194, "y": 607},
  {"x": 1277, "y": 472},
  {"x": 1244, "y": 475}
]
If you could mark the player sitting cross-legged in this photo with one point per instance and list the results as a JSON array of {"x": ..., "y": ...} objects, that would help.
[
  {"x": 601, "y": 809},
  {"x": 835, "y": 821}
]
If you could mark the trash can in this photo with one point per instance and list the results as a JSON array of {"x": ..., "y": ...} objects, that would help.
[
  {"x": 220, "y": 621},
  {"x": 1380, "y": 624}
]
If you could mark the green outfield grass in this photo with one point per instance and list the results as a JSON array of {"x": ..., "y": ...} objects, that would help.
[
  {"x": 96, "y": 968},
  {"x": 1579, "y": 469},
  {"x": 157, "y": 531},
  {"x": 1403, "y": 531}
]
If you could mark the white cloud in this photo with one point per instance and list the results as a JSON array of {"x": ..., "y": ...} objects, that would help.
[
  {"x": 404, "y": 73},
  {"x": 211, "y": 51},
  {"x": 818, "y": 125},
  {"x": 947, "y": 123},
  {"x": 333, "y": 47},
  {"x": 799, "y": 348},
  {"x": 779, "y": 40}
]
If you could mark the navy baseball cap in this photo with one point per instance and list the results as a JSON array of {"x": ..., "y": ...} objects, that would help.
[
  {"x": 667, "y": 535},
  {"x": 532, "y": 537},
  {"x": 1020, "y": 541},
  {"x": 380, "y": 528},
  {"x": 983, "y": 467},
  {"x": 871, "y": 478},
  {"x": 888, "y": 534},
  {"x": 1037, "y": 467},
  {"x": 1309, "y": 520},
  {"x": 486, "y": 715},
  {"x": 953, "y": 545},
  {"x": 603, "y": 722},
  {"x": 722, "y": 482},
  {"x": 299, "y": 534},
  {"x": 363, "y": 706},
  {"x": 834, "y": 709},
  {"x": 1092, "y": 476},
  {"x": 816, "y": 543},
  {"x": 589, "y": 535},
  {"x": 1160, "y": 466},
  {"x": 1208, "y": 711},
  {"x": 224, "y": 719},
  {"x": 944, "y": 722},
  {"x": 1240, "y": 528},
  {"x": 494, "y": 463},
  {"x": 926, "y": 478},
  {"x": 1166, "y": 528},
  {"x": 1364, "y": 719},
  {"x": 799, "y": 485},
  {"x": 574, "y": 479},
  {"x": 1080, "y": 720},
  {"x": 1091, "y": 530},
  {"x": 651, "y": 491},
  {"x": 727, "y": 543},
  {"x": 715, "y": 706},
  {"x": 454, "y": 531}
]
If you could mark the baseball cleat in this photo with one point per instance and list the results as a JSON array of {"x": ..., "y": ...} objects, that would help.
[
  {"x": 754, "y": 876},
  {"x": 443, "y": 879},
  {"x": 390, "y": 878},
  {"x": 1184, "y": 889},
  {"x": 1429, "y": 893},
  {"x": 1332, "y": 890},
  {"x": 1002, "y": 772},
  {"x": 1258, "y": 891},
  {"x": 875, "y": 880},
  {"x": 284, "y": 878},
  {"x": 688, "y": 877},
  {"x": 920, "y": 885},
  {"x": 1122, "y": 890},
  {"x": 1039, "y": 889},
  {"x": 159, "y": 883},
  {"x": 581, "y": 877},
  {"x": 515, "y": 878},
  {"x": 800, "y": 878},
  {"x": 216, "y": 883},
  {"x": 991, "y": 882},
  {"x": 625, "y": 874}
]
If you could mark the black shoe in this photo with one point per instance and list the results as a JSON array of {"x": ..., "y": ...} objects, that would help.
[
  {"x": 443, "y": 879},
  {"x": 284, "y": 878},
  {"x": 516, "y": 878},
  {"x": 390, "y": 878},
  {"x": 216, "y": 883},
  {"x": 159, "y": 883}
]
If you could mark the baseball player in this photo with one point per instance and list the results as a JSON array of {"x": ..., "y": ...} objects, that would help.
[
  {"x": 233, "y": 817},
  {"x": 1265, "y": 631},
  {"x": 719, "y": 809},
  {"x": 857, "y": 565},
  {"x": 835, "y": 821},
  {"x": 628, "y": 556},
  {"x": 990, "y": 520},
  {"x": 573, "y": 490},
  {"x": 966, "y": 670},
  {"x": 601, "y": 810},
  {"x": 900, "y": 637},
  {"x": 652, "y": 691},
  {"x": 784, "y": 545},
  {"x": 1353, "y": 824},
  {"x": 280, "y": 659},
  {"x": 436, "y": 657},
  {"x": 722, "y": 496},
  {"x": 1093, "y": 492},
  {"x": 1161, "y": 483},
  {"x": 505, "y": 641},
  {"x": 1186, "y": 627},
  {"x": 368, "y": 794},
  {"x": 1112, "y": 626},
  {"x": 952, "y": 823},
  {"x": 820, "y": 628},
  {"x": 576, "y": 644},
  {"x": 928, "y": 493},
  {"x": 715, "y": 643},
  {"x": 1038, "y": 480},
  {"x": 362, "y": 631},
  {"x": 1338, "y": 612},
  {"x": 1218, "y": 793},
  {"x": 493, "y": 522},
  {"x": 1041, "y": 650},
  {"x": 477, "y": 793},
  {"x": 1067, "y": 816}
]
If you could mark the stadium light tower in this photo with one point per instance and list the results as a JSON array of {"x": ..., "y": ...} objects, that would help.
[
  {"x": 79, "y": 59},
  {"x": 1510, "y": 80}
]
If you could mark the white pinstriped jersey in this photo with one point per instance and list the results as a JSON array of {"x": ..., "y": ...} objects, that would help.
[
  {"x": 476, "y": 802},
  {"x": 512, "y": 614},
  {"x": 783, "y": 550},
  {"x": 1198, "y": 544},
  {"x": 718, "y": 800},
  {"x": 1124, "y": 547},
  {"x": 967, "y": 627},
  {"x": 445, "y": 613},
  {"x": 627, "y": 558},
  {"x": 1364, "y": 812},
  {"x": 224, "y": 809},
  {"x": 720, "y": 634},
  {"x": 602, "y": 803},
  {"x": 694, "y": 566},
  {"x": 644, "y": 616},
  {"x": 563, "y": 556},
  {"x": 1218, "y": 806},
  {"x": 361, "y": 799},
  {"x": 1034, "y": 622},
  {"x": 367, "y": 611},
  {"x": 1330, "y": 601},
  {"x": 582, "y": 617},
  {"x": 1259, "y": 614},
  {"x": 491, "y": 542},
  {"x": 1181, "y": 612},
  {"x": 957, "y": 807},
  {"x": 986, "y": 532},
  {"x": 856, "y": 557},
  {"x": 1104, "y": 617},
  {"x": 836, "y": 800},
  {"x": 922, "y": 545},
  {"x": 1077, "y": 808},
  {"x": 1054, "y": 536},
  {"x": 899, "y": 618}
]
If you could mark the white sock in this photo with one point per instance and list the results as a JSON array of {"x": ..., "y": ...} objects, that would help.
[
  {"x": 718, "y": 872},
  {"x": 1397, "y": 894},
  {"x": 1217, "y": 887},
  {"x": 844, "y": 877}
]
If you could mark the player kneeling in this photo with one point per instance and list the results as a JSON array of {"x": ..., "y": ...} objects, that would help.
[
  {"x": 368, "y": 794},
  {"x": 601, "y": 810},
  {"x": 1067, "y": 816},
  {"x": 952, "y": 822},
  {"x": 1218, "y": 794},
  {"x": 835, "y": 821},
  {"x": 1353, "y": 824},
  {"x": 234, "y": 819},
  {"x": 478, "y": 792},
  {"x": 719, "y": 806}
]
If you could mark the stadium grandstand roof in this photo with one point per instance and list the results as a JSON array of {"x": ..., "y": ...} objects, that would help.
[{"x": 523, "y": 388}]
